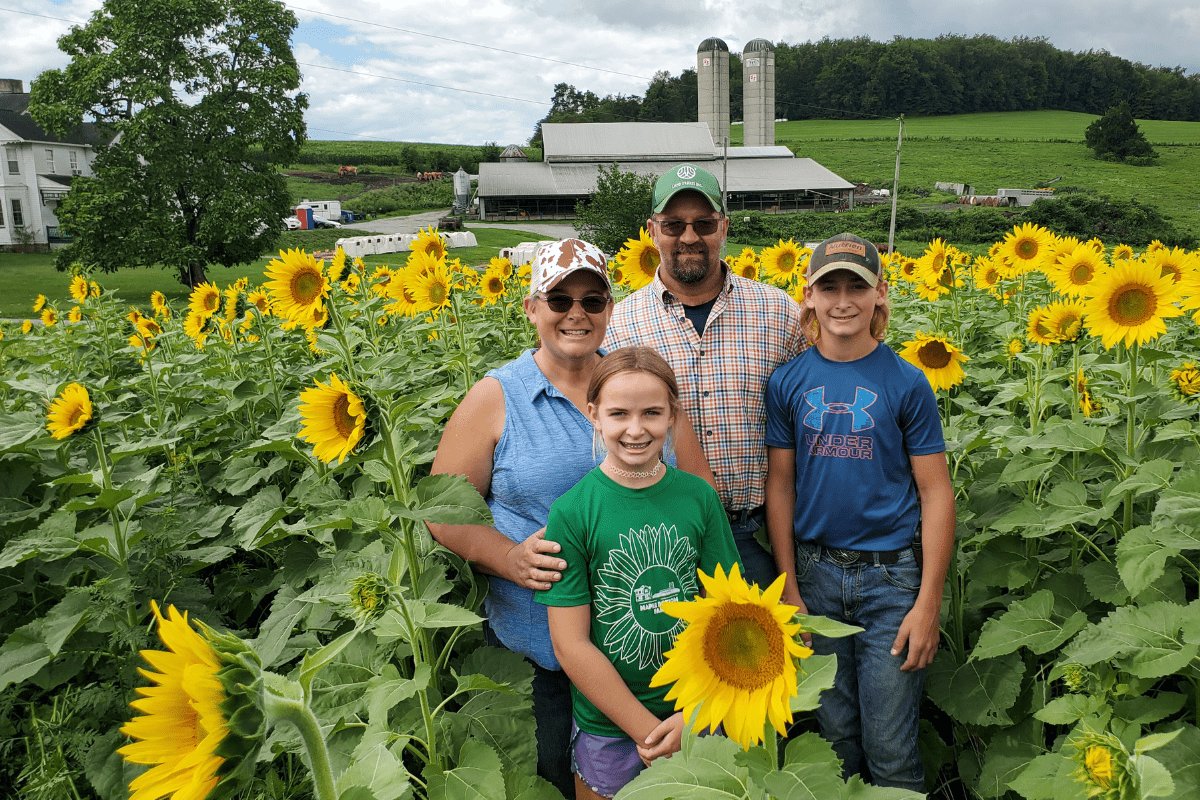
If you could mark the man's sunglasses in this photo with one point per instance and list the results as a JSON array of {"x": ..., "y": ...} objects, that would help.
[
  {"x": 592, "y": 303},
  {"x": 676, "y": 227}
]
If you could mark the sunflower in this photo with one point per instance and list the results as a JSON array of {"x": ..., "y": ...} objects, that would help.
[
  {"x": 158, "y": 301},
  {"x": 745, "y": 267},
  {"x": 1038, "y": 330},
  {"x": 616, "y": 273},
  {"x": 1065, "y": 321},
  {"x": 783, "y": 260},
  {"x": 27, "y": 326},
  {"x": 985, "y": 274},
  {"x": 908, "y": 269},
  {"x": 39, "y": 303},
  {"x": 197, "y": 327},
  {"x": 69, "y": 412},
  {"x": 205, "y": 299},
  {"x": 1129, "y": 304},
  {"x": 1154, "y": 246},
  {"x": 75, "y": 314},
  {"x": 933, "y": 262},
  {"x": 1087, "y": 402},
  {"x": 1015, "y": 346},
  {"x": 430, "y": 242},
  {"x": 1075, "y": 272},
  {"x": 491, "y": 287},
  {"x": 736, "y": 658},
  {"x": 1176, "y": 262},
  {"x": 333, "y": 419},
  {"x": 1185, "y": 381},
  {"x": 95, "y": 288},
  {"x": 297, "y": 284},
  {"x": 337, "y": 266},
  {"x": 234, "y": 305},
  {"x": 149, "y": 327},
  {"x": 403, "y": 301},
  {"x": 1122, "y": 252},
  {"x": 259, "y": 299},
  {"x": 200, "y": 725},
  {"x": 141, "y": 342},
  {"x": 1026, "y": 247},
  {"x": 381, "y": 279},
  {"x": 1103, "y": 765},
  {"x": 503, "y": 266},
  {"x": 428, "y": 283},
  {"x": 79, "y": 288},
  {"x": 134, "y": 315},
  {"x": 49, "y": 316},
  {"x": 351, "y": 283},
  {"x": 639, "y": 258},
  {"x": 937, "y": 358}
]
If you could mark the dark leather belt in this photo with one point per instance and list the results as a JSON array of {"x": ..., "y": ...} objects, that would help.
[
  {"x": 743, "y": 514},
  {"x": 848, "y": 558}
]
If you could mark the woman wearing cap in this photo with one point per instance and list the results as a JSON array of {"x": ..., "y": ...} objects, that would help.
[{"x": 522, "y": 437}]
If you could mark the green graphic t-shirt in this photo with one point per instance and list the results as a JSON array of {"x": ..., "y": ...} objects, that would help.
[{"x": 628, "y": 551}]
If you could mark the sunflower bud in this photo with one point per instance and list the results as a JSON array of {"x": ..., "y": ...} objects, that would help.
[
  {"x": 368, "y": 596},
  {"x": 1103, "y": 766},
  {"x": 1077, "y": 677},
  {"x": 240, "y": 677}
]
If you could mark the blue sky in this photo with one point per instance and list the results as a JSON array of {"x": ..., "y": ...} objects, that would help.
[{"x": 598, "y": 40}]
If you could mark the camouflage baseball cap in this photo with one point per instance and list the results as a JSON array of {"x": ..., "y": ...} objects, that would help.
[{"x": 686, "y": 177}]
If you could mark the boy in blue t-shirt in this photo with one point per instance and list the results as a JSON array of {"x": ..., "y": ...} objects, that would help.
[{"x": 857, "y": 490}]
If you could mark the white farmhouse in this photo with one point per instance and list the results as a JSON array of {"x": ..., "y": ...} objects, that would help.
[{"x": 36, "y": 169}]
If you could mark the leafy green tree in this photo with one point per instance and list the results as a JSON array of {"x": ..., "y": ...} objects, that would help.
[
  {"x": 1116, "y": 135},
  {"x": 617, "y": 211},
  {"x": 199, "y": 100}
]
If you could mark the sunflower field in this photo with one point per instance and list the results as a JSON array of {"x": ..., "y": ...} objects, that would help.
[{"x": 244, "y": 482}]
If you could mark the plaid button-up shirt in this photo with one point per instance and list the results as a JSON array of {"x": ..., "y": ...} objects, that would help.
[{"x": 751, "y": 330}]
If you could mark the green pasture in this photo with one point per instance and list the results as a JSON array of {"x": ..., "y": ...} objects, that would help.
[{"x": 24, "y": 276}]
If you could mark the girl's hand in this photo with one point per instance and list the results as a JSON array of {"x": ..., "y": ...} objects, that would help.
[
  {"x": 531, "y": 565},
  {"x": 791, "y": 597},
  {"x": 663, "y": 740}
]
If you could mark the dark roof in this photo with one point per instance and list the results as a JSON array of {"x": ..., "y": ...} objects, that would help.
[
  {"x": 62, "y": 180},
  {"x": 757, "y": 45},
  {"x": 713, "y": 43},
  {"x": 14, "y": 115}
]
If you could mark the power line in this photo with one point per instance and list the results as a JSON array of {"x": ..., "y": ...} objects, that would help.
[
  {"x": 43, "y": 16},
  {"x": 469, "y": 44}
]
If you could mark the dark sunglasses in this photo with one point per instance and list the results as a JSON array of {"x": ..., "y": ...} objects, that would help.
[
  {"x": 592, "y": 303},
  {"x": 676, "y": 227}
]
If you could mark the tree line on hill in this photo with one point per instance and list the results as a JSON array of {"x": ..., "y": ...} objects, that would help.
[{"x": 952, "y": 74}]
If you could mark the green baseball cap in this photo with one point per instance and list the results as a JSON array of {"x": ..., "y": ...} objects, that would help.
[{"x": 686, "y": 178}]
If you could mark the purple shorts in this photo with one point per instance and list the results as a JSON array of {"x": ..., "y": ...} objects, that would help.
[{"x": 604, "y": 763}]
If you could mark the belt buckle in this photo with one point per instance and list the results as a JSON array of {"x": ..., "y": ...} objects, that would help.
[{"x": 843, "y": 558}]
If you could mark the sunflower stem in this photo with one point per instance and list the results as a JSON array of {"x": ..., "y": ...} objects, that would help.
[
  {"x": 340, "y": 326},
  {"x": 266, "y": 338},
  {"x": 468, "y": 377},
  {"x": 1130, "y": 431},
  {"x": 106, "y": 477},
  {"x": 295, "y": 711}
]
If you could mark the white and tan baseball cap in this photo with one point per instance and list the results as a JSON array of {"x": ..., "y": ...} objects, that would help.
[{"x": 557, "y": 260}]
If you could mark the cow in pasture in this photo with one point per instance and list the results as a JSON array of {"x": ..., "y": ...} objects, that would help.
[{"x": 344, "y": 171}]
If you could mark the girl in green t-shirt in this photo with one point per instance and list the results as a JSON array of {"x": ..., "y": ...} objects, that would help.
[{"x": 633, "y": 532}]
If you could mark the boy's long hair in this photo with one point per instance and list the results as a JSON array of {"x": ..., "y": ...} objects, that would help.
[
  {"x": 634, "y": 359},
  {"x": 811, "y": 326}
]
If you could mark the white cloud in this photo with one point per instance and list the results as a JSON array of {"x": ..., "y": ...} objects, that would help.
[{"x": 622, "y": 36}]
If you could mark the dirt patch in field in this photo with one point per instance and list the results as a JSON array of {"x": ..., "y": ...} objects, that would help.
[{"x": 372, "y": 180}]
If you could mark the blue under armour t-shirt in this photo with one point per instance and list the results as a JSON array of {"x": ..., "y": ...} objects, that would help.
[{"x": 853, "y": 425}]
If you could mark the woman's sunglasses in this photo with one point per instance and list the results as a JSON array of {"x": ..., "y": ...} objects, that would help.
[{"x": 592, "y": 304}]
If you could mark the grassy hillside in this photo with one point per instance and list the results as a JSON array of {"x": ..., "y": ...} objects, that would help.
[{"x": 1011, "y": 150}]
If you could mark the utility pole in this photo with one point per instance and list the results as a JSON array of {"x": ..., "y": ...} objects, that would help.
[{"x": 895, "y": 189}]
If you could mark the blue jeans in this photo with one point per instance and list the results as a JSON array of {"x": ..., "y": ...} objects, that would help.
[
  {"x": 552, "y": 714},
  {"x": 758, "y": 566},
  {"x": 872, "y": 711}
]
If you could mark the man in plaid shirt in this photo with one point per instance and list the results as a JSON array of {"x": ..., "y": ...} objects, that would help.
[{"x": 723, "y": 335}]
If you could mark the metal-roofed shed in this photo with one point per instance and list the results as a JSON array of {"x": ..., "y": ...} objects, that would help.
[{"x": 626, "y": 141}]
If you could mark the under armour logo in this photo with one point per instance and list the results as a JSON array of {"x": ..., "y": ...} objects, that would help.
[
  {"x": 687, "y": 172},
  {"x": 863, "y": 399}
]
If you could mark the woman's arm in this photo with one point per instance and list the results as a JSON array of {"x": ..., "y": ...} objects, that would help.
[
  {"x": 466, "y": 448},
  {"x": 688, "y": 453},
  {"x": 594, "y": 675},
  {"x": 920, "y": 629}
]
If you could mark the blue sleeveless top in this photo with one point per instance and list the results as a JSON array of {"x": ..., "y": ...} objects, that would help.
[{"x": 546, "y": 447}]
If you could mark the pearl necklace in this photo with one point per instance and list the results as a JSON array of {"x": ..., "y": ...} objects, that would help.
[{"x": 625, "y": 473}]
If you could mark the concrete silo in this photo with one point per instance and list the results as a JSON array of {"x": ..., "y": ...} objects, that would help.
[
  {"x": 758, "y": 93},
  {"x": 712, "y": 78}
]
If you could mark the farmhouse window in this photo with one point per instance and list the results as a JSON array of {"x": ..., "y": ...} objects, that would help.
[
  {"x": 74, "y": 163},
  {"x": 14, "y": 166},
  {"x": 1, "y": 215},
  {"x": 18, "y": 217},
  {"x": 49, "y": 161}
]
